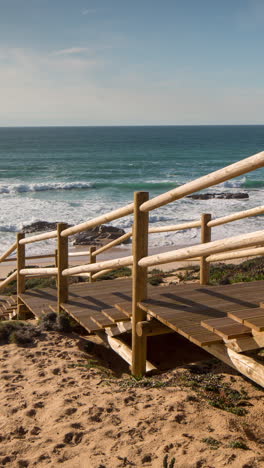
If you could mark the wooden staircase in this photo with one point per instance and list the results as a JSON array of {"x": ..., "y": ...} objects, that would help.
[
  {"x": 8, "y": 306},
  {"x": 203, "y": 315}
]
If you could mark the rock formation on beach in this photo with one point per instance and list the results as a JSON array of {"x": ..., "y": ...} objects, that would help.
[{"x": 98, "y": 236}]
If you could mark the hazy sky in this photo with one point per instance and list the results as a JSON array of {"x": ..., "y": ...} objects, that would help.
[{"x": 131, "y": 62}]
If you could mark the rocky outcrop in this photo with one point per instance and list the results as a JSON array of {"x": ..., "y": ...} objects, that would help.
[
  {"x": 39, "y": 226},
  {"x": 98, "y": 236},
  {"x": 226, "y": 196}
]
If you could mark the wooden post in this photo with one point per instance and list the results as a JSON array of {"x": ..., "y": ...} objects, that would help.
[
  {"x": 56, "y": 265},
  {"x": 205, "y": 237},
  {"x": 20, "y": 279},
  {"x": 92, "y": 260},
  {"x": 139, "y": 288},
  {"x": 63, "y": 263}
]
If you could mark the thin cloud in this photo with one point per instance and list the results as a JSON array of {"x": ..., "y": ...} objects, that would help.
[
  {"x": 88, "y": 11},
  {"x": 71, "y": 51}
]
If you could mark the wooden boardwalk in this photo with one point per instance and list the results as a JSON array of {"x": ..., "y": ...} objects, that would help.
[{"x": 204, "y": 315}]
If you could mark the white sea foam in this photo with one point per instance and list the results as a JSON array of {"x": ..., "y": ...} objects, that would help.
[{"x": 42, "y": 187}]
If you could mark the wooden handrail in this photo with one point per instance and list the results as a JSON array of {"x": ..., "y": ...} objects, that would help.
[
  {"x": 8, "y": 252},
  {"x": 229, "y": 172},
  {"x": 38, "y": 271},
  {"x": 115, "y": 242},
  {"x": 236, "y": 216},
  {"x": 8, "y": 280},
  {"x": 236, "y": 254},
  {"x": 38, "y": 237},
  {"x": 110, "y": 216},
  {"x": 175, "y": 227},
  {"x": 31, "y": 257},
  {"x": 101, "y": 273},
  {"x": 116, "y": 263},
  {"x": 79, "y": 254},
  {"x": 230, "y": 243}
]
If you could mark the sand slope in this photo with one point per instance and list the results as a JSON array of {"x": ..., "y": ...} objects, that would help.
[{"x": 55, "y": 412}]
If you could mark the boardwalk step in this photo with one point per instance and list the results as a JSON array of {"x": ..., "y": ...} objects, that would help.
[
  {"x": 226, "y": 327},
  {"x": 115, "y": 315},
  {"x": 252, "y": 318},
  {"x": 125, "y": 307},
  {"x": 82, "y": 317}
]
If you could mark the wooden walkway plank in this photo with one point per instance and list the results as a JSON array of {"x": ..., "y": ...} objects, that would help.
[
  {"x": 244, "y": 314},
  {"x": 226, "y": 327},
  {"x": 116, "y": 315}
]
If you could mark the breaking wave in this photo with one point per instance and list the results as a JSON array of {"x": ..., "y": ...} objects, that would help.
[{"x": 42, "y": 187}]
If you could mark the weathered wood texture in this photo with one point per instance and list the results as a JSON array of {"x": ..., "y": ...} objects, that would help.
[
  {"x": 113, "y": 243},
  {"x": 11, "y": 249},
  {"x": 139, "y": 278},
  {"x": 205, "y": 237},
  {"x": 230, "y": 243},
  {"x": 243, "y": 253},
  {"x": 108, "y": 304},
  {"x": 20, "y": 279},
  {"x": 38, "y": 271},
  {"x": 92, "y": 260},
  {"x": 8, "y": 280},
  {"x": 63, "y": 263},
  {"x": 38, "y": 237},
  {"x": 116, "y": 263},
  {"x": 175, "y": 227}
]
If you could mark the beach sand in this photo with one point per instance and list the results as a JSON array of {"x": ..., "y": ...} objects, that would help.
[{"x": 57, "y": 412}]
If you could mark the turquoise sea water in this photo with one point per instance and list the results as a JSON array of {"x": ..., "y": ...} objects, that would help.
[{"x": 73, "y": 174}]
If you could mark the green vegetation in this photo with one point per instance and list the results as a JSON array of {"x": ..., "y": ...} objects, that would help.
[
  {"x": 239, "y": 444},
  {"x": 213, "y": 443},
  {"x": 119, "y": 273},
  {"x": 19, "y": 332},
  {"x": 23, "y": 333}
]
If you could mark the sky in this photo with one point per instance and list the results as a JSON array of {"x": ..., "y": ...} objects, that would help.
[{"x": 140, "y": 62}]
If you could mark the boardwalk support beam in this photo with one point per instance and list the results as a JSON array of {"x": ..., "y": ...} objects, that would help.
[
  {"x": 244, "y": 364},
  {"x": 139, "y": 288}
]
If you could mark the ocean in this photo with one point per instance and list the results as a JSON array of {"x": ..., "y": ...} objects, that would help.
[{"x": 73, "y": 174}]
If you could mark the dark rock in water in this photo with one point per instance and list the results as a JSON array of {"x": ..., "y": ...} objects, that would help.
[
  {"x": 98, "y": 236},
  {"x": 226, "y": 196},
  {"x": 40, "y": 226}
]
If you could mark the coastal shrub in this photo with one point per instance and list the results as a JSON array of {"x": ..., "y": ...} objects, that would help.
[
  {"x": 213, "y": 443},
  {"x": 17, "y": 332},
  {"x": 51, "y": 321},
  {"x": 48, "y": 321},
  {"x": 239, "y": 444},
  {"x": 64, "y": 323}
]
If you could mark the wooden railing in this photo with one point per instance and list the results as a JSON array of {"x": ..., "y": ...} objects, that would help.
[{"x": 207, "y": 251}]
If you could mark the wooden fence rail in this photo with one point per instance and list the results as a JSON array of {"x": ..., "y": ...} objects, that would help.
[{"x": 229, "y": 172}]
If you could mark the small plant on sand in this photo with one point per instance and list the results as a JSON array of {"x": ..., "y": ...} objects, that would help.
[
  {"x": 213, "y": 443},
  {"x": 166, "y": 463},
  {"x": 239, "y": 444}
]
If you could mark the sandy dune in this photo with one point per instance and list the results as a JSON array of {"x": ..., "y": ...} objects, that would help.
[{"x": 59, "y": 408}]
